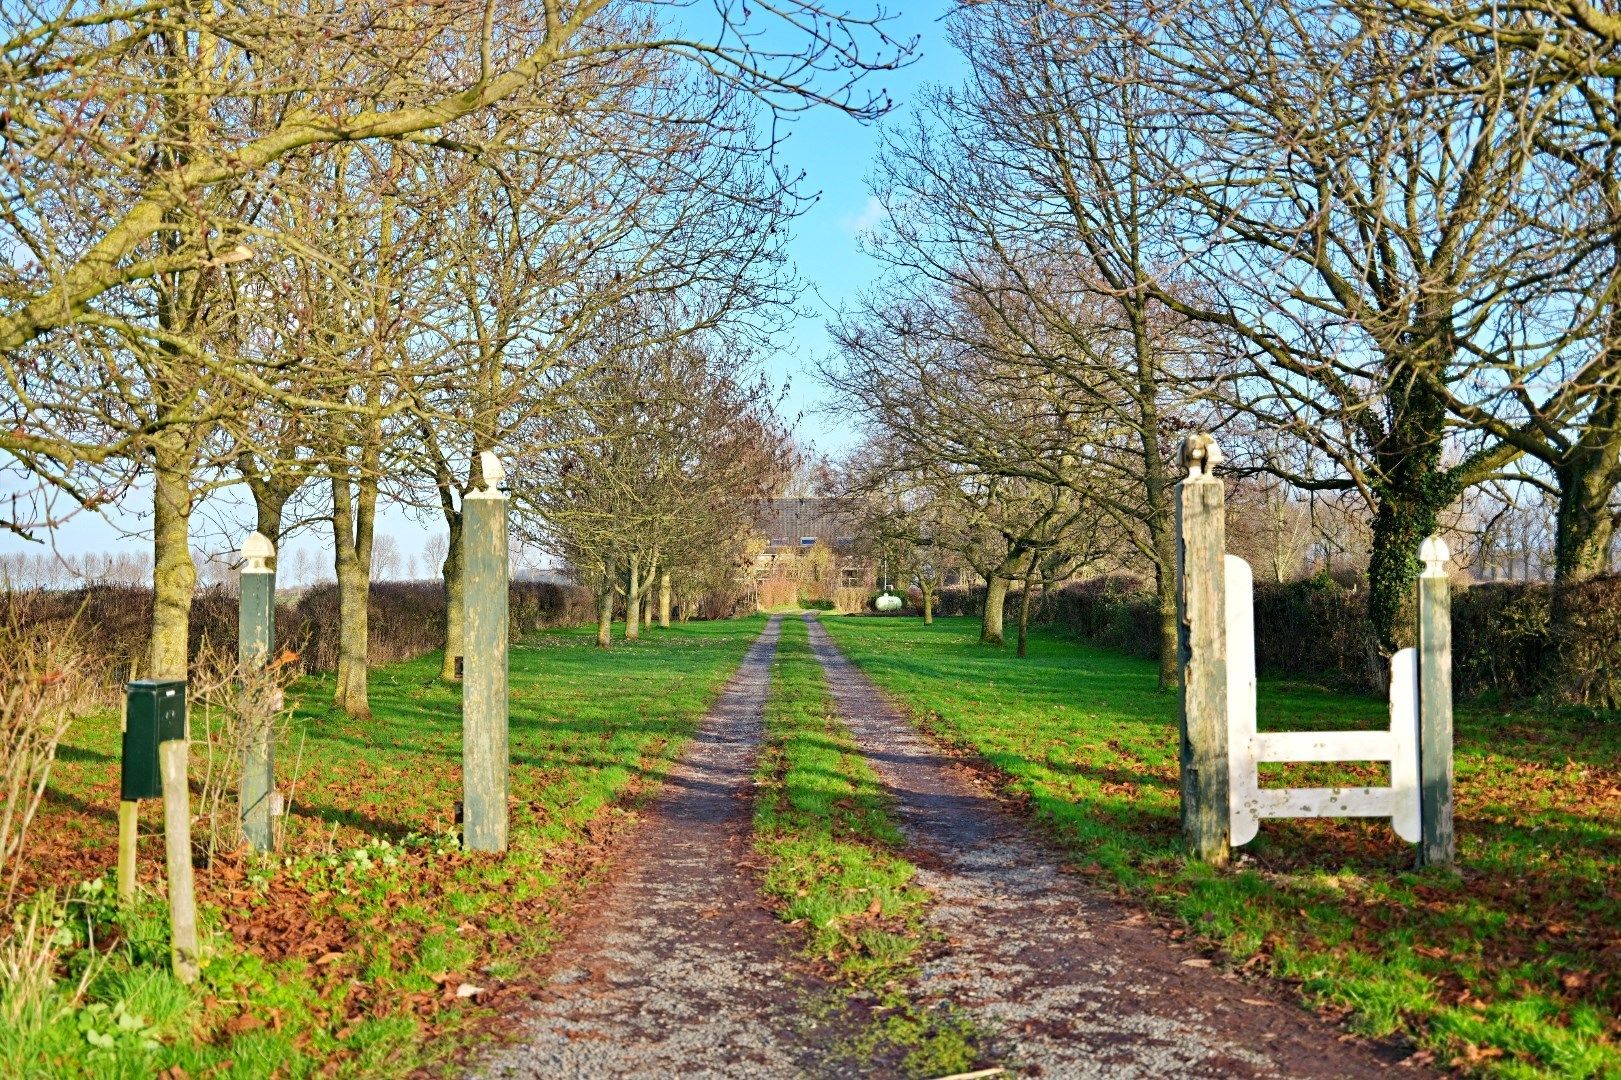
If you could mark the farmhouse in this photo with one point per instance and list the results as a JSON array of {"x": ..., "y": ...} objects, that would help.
[{"x": 811, "y": 540}]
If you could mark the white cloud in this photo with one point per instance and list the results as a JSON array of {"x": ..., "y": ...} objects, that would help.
[{"x": 865, "y": 222}]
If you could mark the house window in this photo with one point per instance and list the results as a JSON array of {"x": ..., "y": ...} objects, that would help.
[
  {"x": 850, "y": 577},
  {"x": 807, "y": 541}
]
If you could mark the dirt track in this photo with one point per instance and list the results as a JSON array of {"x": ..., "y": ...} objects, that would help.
[
  {"x": 1070, "y": 982},
  {"x": 679, "y": 969}
]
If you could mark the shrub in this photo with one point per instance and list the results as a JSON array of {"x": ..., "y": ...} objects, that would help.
[
  {"x": 812, "y": 599},
  {"x": 778, "y": 592},
  {"x": 42, "y": 687},
  {"x": 960, "y": 600},
  {"x": 850, "y": 599},
  {"x": 1499, "y": 631},
  {"x": 1587, "y": 658},
  {"x": 1117, "y": 611},
  {"x": 405, "y": 620},
  {"x": 1317, "y": 631}
]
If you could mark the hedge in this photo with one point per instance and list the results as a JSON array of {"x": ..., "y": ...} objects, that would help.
[
  {"x": 1317, "y": 631},
  {"x": 405, "y": 619}
]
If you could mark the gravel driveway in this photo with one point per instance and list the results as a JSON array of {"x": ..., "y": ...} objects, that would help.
[
  {"x": 680, "y": 969},
  {"x": 1067, "y": 982}
]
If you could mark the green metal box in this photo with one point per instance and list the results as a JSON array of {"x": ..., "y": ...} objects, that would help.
[{"x": 154, "y": 712}]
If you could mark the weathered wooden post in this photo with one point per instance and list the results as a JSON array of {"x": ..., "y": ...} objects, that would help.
[
  {"x": 256, "y": 639},
  {"x": 172, "y": 758},
  {"x": 485, "y": 763},
  {"x": 1437, "y": 846},
  {"x": 1201, "y": 550},
  {"x": 129, "y": 831}
]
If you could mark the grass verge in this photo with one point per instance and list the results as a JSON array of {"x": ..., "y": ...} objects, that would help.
[
  {"x": 834, "y": 868},
  {"x": 1511, "y": 967},
  {"x": 370, "y": 945}
]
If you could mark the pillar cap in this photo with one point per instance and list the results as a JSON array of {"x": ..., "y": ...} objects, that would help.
[
  {"x": 1201, "y": 454},
  {"x": 256, "y": 551},
  {"x": 1435, "y": 555},
  {"x": 493, "y": 477}
]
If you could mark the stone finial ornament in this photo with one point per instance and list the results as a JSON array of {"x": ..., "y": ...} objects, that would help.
[
  {"x": 1201, "y": 454},
  {"x": 493, "y": 472},
  {"x": 1435, "y": 555},
  {"x": 257, "y": 550}
]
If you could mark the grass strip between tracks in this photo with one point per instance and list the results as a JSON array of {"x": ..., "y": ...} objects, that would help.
[{"x": 834, "y": 868}]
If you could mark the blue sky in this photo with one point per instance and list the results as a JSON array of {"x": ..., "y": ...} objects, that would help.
[{"x": 835, "y": 153}]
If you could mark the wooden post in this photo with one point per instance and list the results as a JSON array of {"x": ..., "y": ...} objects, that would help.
[
  {"x": 485, "y": 764},
  {"x": 256, "y": 639},
  {"x": 129, "y": 831},
  {"x": 172, "y": 757},
  {"x": 129, "y": 826},
  {"x": 1201, "y": 549},
  {"x": 1437, "y": 845}
]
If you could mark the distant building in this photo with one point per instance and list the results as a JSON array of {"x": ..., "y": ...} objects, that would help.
[{"x": 790, "y": 528}]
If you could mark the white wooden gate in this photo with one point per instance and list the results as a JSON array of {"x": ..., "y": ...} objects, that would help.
[{"x": 1248, "y": 748}]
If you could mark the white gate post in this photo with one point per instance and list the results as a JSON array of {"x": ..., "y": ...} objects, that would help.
[{"x": 1243, "y": 781}]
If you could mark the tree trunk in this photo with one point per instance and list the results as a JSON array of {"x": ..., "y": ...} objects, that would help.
[
  {"x": 1023, "y": 605},
  {"x": 271, "y": 493},
  {"x": 928, "y": 604},
  {"x": 174, "y": 575},
  {"x": 664, "y": 599},
  {"x": 1170, "y": 675},
  {"x": 990, "y": 632},
  {"x": 1399, "y": 527},
  {"x": 454, "y": 594},
  {"x": 1587, "y": 482},
  {"x": 353, "y": 515},
  {"x": 1412, "y": 490},
  {"x": 1024, "y": 619},
  {"x": 1585, "y": 527},
  {"x": 633, "y": 602},
  {"x": 605, "y": 615},
  {"x": 1157, "y": 492},
  {"x": 268, "y": 506}
]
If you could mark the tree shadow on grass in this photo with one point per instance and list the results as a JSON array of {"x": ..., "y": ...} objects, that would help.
[
  {"x": 354, "y": 819},
  {"x": 65, "y": 752},
  {"x": 99, "y": 810}
]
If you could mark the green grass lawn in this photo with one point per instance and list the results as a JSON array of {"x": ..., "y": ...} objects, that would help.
[
  {"x": 834, "y": 868},
  {"x": 346, "y": 952},
  {"x": 1510, "y": 967}
]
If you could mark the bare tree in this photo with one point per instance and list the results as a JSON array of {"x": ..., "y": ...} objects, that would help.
[
  {"x": 151, "y": 151},
  {"x": 948, "y": 414},
  {"x": 1016, "y": 194},
  {"x": 631, "y": 490},
  {"x": 1355, "y": 231}
]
